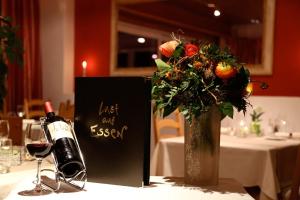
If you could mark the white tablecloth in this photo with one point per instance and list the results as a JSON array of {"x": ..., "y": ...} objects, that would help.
[
  {"x": 253, "y": 161},
  {"x": 17, "y": 173},
  {"x": 160, "y": 188}
]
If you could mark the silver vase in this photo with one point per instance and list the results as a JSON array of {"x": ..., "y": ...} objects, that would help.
[{"x": 202, "y": 149}]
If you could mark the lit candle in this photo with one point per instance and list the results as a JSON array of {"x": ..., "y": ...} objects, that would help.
[
  {"x": 243, "y": 129},
  {"x": 84, "y": 65}
]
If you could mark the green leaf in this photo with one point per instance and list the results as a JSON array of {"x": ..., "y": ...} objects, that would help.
[
  {"x": 190, "y": 65},
  {"x": 185, "y": 112},
  {"x": 161, "y": 65},
  {"x": 184, "y": 85},
  {"x": 178, "y": 51},
  {"x": 226, "y": 109},
  {"x": 168, "y": 110}
]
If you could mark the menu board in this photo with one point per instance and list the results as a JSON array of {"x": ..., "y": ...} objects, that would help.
[{"x": 112, "y": 125}]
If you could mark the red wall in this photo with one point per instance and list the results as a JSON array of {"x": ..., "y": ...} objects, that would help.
[
  {"x": 92, "y": 36},
  {"x": 92, "y": 42},
  {"x": 286, "y": 57}
]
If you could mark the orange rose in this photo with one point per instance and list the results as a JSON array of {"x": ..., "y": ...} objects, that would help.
[
  {"x": 197, "y": 64},
  {"x": 190, "y": 49},
  {"x": 168, "y": 48},
  {"x": 225, "y": 71}
]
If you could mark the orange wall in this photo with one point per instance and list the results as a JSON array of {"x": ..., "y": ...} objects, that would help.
[
  {"x": 92, "y": 36},
  {"x": 92, "y": 42}
]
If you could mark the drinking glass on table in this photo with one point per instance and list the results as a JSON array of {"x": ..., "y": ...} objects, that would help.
[
  {"x": 5, "y": 155},
  {"x": 38, "y": 147},
  {"x": 4, "y": 129}
]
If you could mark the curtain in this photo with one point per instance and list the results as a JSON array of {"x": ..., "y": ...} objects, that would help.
[{"x": 25, "y": 82}]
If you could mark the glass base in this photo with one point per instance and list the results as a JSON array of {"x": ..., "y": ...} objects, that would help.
[{"x": 35, "y": 192}]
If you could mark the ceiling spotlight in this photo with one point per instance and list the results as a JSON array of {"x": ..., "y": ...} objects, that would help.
[
  {"x": 141, "y": 40},
  {"x": 217, "y": 13},
  {"x": 154, "y": 56}
]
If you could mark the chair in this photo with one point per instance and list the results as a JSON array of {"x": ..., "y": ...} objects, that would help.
[
  {"x": 173, "y": 124},
  {"x": 34, "y": 108},
  {"x": 66, "y": 110}
]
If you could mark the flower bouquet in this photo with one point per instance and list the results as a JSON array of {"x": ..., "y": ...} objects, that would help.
[
  {"x": 194, "y": 76},
  {"x": 204, "y": 82}
]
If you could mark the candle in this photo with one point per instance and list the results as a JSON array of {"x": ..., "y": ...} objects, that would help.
[
  {"x": 84, "y": 65},
  {"x": 243, "y": 130}
]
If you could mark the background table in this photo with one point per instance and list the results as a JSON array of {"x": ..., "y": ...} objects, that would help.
[
  {"x": 252, "y": 161},
  {"x": 161, "y": 188}
]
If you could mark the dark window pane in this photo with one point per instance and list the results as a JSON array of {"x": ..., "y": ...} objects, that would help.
[
  {"x": 134, "y": 54},
  {"x": 122, "y": 60},
  {"x": 143, "y": 59}
]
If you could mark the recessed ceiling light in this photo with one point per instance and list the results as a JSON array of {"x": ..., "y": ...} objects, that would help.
[
  {"x": 141, "y": 40},
  {"x": 217, "y": 13}
]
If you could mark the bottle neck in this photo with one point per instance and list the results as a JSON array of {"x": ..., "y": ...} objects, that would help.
[{"x": 50, "y": 114}]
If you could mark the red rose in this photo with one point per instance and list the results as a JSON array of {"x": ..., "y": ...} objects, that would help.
[
  {"x": 168, "y": 48},
  {"x": 190, "y": 49}
]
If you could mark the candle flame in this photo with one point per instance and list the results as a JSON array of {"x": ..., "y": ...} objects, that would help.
[{"x": 84, "y": 64}]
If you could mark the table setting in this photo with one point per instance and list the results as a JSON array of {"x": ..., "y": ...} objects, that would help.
[
  {"x": 32, "y": 180},
  {"x": 160, "y": 188},
  {"x": 256, "y": 149},
  {"x": 251, "y": 160}
]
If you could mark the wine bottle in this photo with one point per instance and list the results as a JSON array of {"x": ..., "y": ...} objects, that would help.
[{"x": 65, "y": 150}]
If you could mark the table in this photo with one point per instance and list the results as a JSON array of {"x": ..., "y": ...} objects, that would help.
[
  {"x": 17, "y": 174},
  {"x": 160, "y": 188},
  {"x": 252, "y": 161}
]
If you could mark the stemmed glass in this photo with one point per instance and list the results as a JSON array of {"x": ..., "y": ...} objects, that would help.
[{"x": 38, "y": 147}]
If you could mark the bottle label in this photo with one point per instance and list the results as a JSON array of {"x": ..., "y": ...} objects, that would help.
[{"x": 60, "y": 129}]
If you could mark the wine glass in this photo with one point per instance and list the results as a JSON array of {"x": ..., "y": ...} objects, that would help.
[{"x": 39, "y": 148}]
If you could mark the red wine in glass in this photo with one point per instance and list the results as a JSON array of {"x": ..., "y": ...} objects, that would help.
[
  {"x": 38, "y": 147},
  {"x": 39, "y": 150}
]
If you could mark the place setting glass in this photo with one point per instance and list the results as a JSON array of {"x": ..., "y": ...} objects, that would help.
[
  {"x": 4, "y": 129},
  {"x": 5, "y": 155},
  {"x": 5, "y": 147},
  {"x": 38, "y": 147}
]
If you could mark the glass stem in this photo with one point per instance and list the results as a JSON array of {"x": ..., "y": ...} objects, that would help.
[{"x": 38, "y": 186}]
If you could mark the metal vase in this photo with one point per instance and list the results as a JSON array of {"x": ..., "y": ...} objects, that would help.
[{"x": 202, "y": 149}]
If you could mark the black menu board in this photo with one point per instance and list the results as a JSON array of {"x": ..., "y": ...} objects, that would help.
[{"x": 112, "y": 125}]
